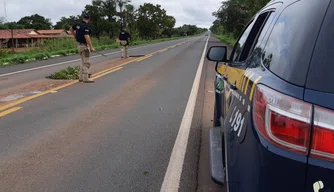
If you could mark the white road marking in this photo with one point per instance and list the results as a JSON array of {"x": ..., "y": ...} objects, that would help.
[
  {"x": 172, "y": 177},
  {"x": 248, "y": 109},
  {"x": 71, "y": 61}
]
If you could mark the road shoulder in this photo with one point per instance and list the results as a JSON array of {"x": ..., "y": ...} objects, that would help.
[{"x": 204, "y": 176}]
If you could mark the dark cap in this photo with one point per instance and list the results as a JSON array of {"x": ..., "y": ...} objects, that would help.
[{"x": 85, "y": 16}]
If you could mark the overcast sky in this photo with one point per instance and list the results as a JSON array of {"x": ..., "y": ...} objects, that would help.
[{"x": 196, "y": 12}]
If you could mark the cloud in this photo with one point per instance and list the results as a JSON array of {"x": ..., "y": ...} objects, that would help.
[{"x": 195, "y": 12}]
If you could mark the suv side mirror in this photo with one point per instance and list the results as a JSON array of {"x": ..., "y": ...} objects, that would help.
[{"x": 217, "y": 53}]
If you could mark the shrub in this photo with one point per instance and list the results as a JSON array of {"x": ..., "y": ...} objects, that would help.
[{"x": 70, "y": 73}]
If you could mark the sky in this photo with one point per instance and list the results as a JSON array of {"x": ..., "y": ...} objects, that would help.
[{"x": 195, "y": 12}]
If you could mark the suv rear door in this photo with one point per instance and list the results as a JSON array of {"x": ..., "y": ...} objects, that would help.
[
  {"x": 320, "y": 92},
  {"x": 237, "y": 89}
]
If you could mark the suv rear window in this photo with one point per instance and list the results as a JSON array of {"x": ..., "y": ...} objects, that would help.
[
  {"x": 290, "y": 45},
  {"x": 321, "y": 73}
]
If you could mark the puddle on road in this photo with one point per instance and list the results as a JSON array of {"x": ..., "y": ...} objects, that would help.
[{"x": 18, "y": 96}]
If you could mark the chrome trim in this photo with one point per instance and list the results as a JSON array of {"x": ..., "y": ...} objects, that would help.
[
  {"x": 289, "y": 114},
  {"x": 323, "y": 154}
]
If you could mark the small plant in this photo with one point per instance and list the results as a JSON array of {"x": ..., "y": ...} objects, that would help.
[{"x": 70, "y": 73}]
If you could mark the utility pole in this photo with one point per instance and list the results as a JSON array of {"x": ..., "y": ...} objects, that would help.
[{"x": 5, "y": 6}]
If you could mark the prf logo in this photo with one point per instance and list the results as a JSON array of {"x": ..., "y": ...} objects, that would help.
[{"x": 317, "y": 186}]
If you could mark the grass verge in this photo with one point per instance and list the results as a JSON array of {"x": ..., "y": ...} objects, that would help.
[
  {"x": 226, "y": 39},
  {"x": 64, "y": 47}
]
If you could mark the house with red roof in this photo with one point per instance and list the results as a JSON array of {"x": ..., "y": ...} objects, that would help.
[{"x": 21, "y": 38}]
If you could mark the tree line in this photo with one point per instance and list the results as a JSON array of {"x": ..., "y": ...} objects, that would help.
[
  {"x": 149, "y": 21},
  {"x": 233, "y": 16}
]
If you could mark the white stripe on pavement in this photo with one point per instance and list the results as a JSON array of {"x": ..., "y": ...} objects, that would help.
[
  {"x": 172, "y": 178},
  {"x": 71, "y": 61}
]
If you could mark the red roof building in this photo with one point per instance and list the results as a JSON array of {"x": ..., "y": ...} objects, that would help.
[{"x": 28, "y": 37}]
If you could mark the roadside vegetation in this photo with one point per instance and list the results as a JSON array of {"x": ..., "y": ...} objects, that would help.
[
  {"x": 232, "y": 17},
  {"x": 70, "y": 73},
  {"x": 64, "y": 47},
  {"x": 147, "y": 24},
  {"x": 226, "y": 39}
]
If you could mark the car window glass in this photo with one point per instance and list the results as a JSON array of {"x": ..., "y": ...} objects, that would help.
[
  {"x": 256, "y": 48},
  {"x": 289, "y": 48},
  {"x": 264, "y": 29},
  {"x": 240, "y": 44},
  {"x": 246, "y": 43},
  {"x": 253, "y": 35}
]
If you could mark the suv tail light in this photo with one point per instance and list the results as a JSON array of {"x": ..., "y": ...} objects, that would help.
[
  {"x": 282, "y": 120},
  {"x": 323, "y": 134}
]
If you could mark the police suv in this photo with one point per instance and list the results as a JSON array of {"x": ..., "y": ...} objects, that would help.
[{"x": 274, "y": 104}]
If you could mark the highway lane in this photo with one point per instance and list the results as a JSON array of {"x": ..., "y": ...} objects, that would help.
[
  {"x": 112, "y": 53},
  {"x": 18, "y": 74},
  {"x": 114, "y": 135}
]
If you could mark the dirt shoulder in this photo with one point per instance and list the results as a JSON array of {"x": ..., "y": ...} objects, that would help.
[{"x": 205, "y": 184}]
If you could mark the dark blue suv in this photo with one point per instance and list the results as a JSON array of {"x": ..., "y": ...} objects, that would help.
[{"x": 274, "y": 107}]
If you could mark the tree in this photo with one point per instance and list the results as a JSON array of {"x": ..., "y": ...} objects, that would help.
[
  {"x": 35, "y": 22},
  {"x": 11, "y": 25},
  {"x": 121, "y": 4},
  {"x": 66, "y": 22},
  {"x": 169, "y": 24},
  {"x": 130, "y": 19},
  {"x": 234, "y": 15},
  {"x": 151, "y": 18},
  {"x": 103, "y": 17},
  {"x": 217, "y": 27}
]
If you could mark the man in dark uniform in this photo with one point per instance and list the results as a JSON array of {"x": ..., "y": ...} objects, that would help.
[
  {"x": 81, "y": 32},
  {"x": 124, "y": 37}
]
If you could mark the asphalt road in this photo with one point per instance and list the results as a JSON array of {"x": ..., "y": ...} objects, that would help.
[
  {"x": 117, "y": 134},
  {"x": 17, "y": 74}
]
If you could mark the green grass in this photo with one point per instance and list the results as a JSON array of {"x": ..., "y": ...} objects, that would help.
[
  {"x": 226, "y": 39},
  {"x": 63, "y": 47},
  {"x": 70, "y": 73}
]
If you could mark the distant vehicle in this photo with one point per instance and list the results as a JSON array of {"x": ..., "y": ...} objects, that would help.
[{"x": 274, "y": 102}]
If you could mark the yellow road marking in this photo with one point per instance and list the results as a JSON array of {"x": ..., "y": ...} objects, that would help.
[
  {"x": 243, "y": 80},
  {"x": 245, "y": 91},
  {"x": 115, "y": 67},
  {"x": 163, "y": 50},
  {"x": 9, "y": 111},
  {"x": 103, "y": 74},
  {"x": 109, "y": 69},
  {"x": 35, "y": 96},
  {"x": 112, "y": 68},
  {"x": 144, "y": 58},
  {"x": 253, "y": 87}
]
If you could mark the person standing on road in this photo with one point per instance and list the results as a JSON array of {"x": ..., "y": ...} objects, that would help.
[
  {"x": 124, "y": 37},
  {"x": 81, "y": 33}
]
